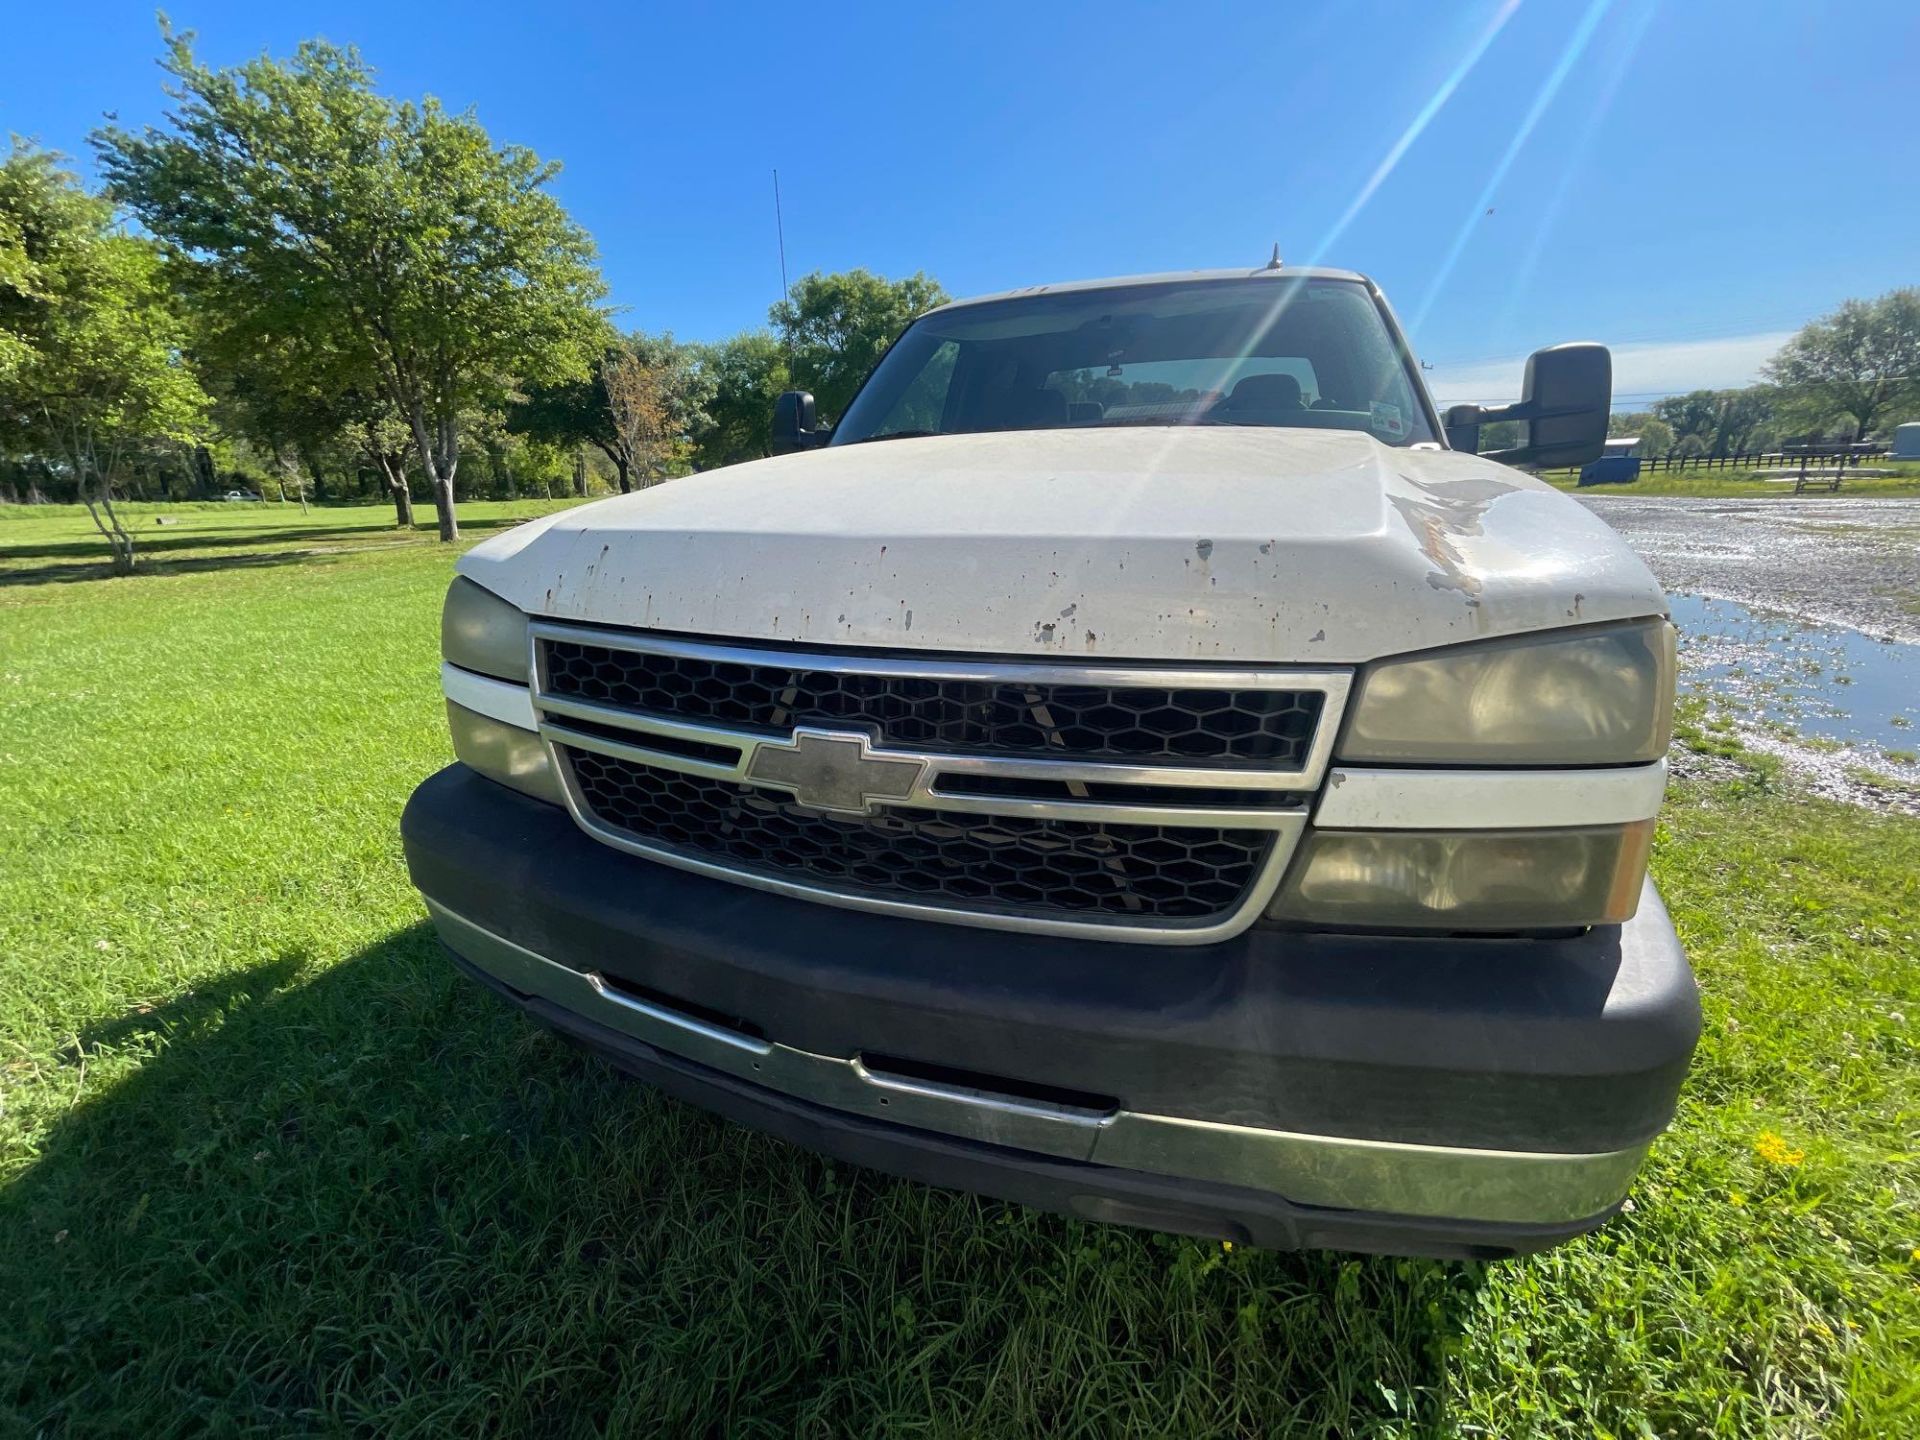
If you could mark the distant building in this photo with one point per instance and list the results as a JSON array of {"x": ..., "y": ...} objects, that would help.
[{"x": 1617, "y": 465}]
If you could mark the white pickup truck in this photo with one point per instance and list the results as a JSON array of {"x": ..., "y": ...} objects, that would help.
[{"x": 1138, "y": 762}]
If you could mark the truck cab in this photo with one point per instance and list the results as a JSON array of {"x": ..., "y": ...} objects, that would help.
[{"x": 1138, "y": 761}]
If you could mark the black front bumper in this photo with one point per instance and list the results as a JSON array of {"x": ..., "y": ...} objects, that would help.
[{"x": 1573, "y": 1045}]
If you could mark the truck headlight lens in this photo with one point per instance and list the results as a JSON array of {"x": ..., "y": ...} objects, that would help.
[
  {"x": 1593, "y": 697},
  {"x": 506, "y": 753},
  {"x": 1467, "y": 879},
  {"x": 480, "y": 631}
]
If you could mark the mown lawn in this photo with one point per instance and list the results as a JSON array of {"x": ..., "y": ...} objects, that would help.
[
  {"x": 1902, "y": 483},
  {"x": 267, "y": 1166}
]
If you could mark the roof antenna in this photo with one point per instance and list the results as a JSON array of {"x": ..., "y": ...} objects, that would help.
[
  {"x": 1274, "y": 263},
  {"x": 780, "y": 230}
]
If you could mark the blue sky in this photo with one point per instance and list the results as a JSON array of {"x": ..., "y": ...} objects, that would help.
[{"x": 1684, "y": 180}]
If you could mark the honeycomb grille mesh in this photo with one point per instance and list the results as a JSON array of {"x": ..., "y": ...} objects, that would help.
[
  {"x": 1271, "y": 728},
  {"x": 958, "y": 860}
]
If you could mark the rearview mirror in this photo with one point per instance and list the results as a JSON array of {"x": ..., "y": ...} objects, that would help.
[
  {"x": 1564, "y": 404},
  {"x": 793, "y": 423}
]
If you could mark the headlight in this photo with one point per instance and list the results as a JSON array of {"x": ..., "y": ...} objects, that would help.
[
  {"x": 1467, "y": 879},
  {"x": 1590, "y": 697},
  {"x": 506, "y": 753},
  {"x": 480, "y": 631}
]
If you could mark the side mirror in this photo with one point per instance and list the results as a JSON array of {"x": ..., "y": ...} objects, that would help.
[
  {"x": 793, "y": 423},
  {"x": 1564, "y": 403}
]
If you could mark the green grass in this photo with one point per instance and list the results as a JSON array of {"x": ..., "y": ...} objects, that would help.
[
  {"x": 267, "y": 1166},
  {"x": 1904, "y": 483}
]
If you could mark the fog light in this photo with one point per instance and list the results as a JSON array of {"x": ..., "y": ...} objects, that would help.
[
  {"x": 1467, "y": 879},
  {"x": 506, "y": 753}
]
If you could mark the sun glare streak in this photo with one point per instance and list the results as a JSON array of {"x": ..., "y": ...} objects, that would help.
[
  {"x": 1417, "y": 126},
  {"x": 1549, "y": 88},
  {"x": 1636, "y": 30}
]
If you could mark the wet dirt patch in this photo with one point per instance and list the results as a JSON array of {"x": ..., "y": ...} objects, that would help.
[
  {"x": 1838, "y": 562},
  {"x": 1839, "y": 709}
]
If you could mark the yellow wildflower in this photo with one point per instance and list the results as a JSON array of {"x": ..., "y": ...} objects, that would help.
[{"x": 1775, "y": 1150}]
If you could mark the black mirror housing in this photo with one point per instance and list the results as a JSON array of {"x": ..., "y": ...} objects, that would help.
[
  {"x": 1565, "y": 401},
  {"x": 793, "y": 423}
]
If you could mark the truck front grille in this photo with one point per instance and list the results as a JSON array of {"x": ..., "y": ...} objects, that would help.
[
  {"x": 1156, "y": 803},
  {"x": 1161, "y": 724},
  {"x": 1000, "y": 863}
]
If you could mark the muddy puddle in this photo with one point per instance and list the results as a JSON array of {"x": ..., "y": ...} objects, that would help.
[{"x": 1840, "y": 708}]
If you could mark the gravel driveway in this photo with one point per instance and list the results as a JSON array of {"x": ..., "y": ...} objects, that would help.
[{"x": 1835, "y": 561}]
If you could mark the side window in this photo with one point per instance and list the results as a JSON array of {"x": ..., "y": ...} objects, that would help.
[{"x": 923, "y": 404}]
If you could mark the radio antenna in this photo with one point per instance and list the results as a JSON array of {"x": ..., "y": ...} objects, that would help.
[{"x": 780, "y": 231}]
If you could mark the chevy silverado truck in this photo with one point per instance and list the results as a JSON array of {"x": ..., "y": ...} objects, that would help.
[{"x": 1139, "y": 762}]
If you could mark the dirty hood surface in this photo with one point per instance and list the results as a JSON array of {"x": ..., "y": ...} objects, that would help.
[{"x": 1175, "y": 543}]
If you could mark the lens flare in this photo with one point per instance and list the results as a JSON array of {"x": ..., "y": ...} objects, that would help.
[{"x": 1549, "y": 88}]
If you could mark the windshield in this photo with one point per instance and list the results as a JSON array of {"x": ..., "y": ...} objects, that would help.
[{"x": 1311, "y": 354}]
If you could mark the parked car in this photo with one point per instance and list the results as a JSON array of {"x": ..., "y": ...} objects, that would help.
[
  {"x": 233, "y": 495},
  {"x": 1139, "y": 762}
]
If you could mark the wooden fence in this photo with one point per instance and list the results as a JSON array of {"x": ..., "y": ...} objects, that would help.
[{"x": 1801, "y": 458}]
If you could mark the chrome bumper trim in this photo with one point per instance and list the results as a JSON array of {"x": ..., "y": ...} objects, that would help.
[
  {"x": 1363, "y": 799},
  {"x": 501, "y": 700},
  {"x": 1331, "y": 1171}
]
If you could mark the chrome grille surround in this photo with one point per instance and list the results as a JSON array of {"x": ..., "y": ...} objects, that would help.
[{"x": 1275, "y": 795}]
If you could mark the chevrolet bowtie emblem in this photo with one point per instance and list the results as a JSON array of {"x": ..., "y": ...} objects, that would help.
[{"x": 831, "y": 770}]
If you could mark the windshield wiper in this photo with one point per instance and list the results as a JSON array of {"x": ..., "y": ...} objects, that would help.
[{"x": 895, "y": 435}]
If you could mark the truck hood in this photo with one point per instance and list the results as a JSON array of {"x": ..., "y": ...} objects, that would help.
[{"x": 1175, "y": 543}]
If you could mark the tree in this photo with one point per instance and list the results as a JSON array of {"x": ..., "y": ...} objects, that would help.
[
  {"x": 748, "y": 373},
  {"x": 1742, "y": 415},
  {"x": 1656, "y": 437},
  {"x": 572, "y": 413},
  {"x": 587, "y": 411},
  {"x": 90, "y": 341},
  {"x": 1694, "y": 415},
  {"x": 656, "y": 394},
  {"x": 836, "y": 327},
  {"x": 304, "y": 203},
  {"x": 1857, "y": 364}
]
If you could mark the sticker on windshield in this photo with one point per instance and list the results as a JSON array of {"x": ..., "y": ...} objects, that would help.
[{"x": 1386, "y": 420}]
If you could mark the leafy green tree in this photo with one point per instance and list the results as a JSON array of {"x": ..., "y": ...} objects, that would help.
[
  {"x": 1741, "y": 416},
  {"x": 305, "y": 397},
  {"x": 570, "y": 413},
  {"x": 643, "y": 421},
  {"x": 836, "y": 327},
  {"x": 90, "y": 340},
  {"x": 1656, "y": 437},
  {"x": 305, "y": 204},
  {"x": 1695, "y": 414},
  {"x": 1723, "y": 421},
  {"x": 748, "y": 372},
  {"x": 1859, "y": 364}
]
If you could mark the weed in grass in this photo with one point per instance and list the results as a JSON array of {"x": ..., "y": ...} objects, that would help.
[{"x": 268, "y": 1166}]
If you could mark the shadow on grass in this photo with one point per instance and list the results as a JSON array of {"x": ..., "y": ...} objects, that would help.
[
  {"x": 372, "y": 1198},
  {"x": 193, "y": 565},
  {"x": 150, "y": 540}
]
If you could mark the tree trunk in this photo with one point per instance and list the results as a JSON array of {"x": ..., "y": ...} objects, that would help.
[
  {"x": 119, "y": 542},
  {"x": 203, "y": 476},
  {"x": 312, "y": 462},
  {"x": 580, "y": 473},
  {"x": 626, "y": 484},
  {"x": 394, "y": 468},
  {"x": 440, "y": 460}
]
